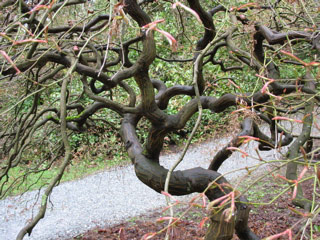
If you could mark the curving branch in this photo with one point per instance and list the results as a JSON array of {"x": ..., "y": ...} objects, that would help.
[
  {"x": 247, "y": 130},
  {"x": 274, "y": 37},
  {"x": 181, "y": 182}
]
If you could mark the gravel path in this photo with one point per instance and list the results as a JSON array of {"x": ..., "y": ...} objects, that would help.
[{"x": 106, "y": 198}]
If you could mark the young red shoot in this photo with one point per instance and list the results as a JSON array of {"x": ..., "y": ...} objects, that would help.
[
  {"x": 26, "y": 29},
  {"x": 240, "y": 109},
  {"x": 264, "y": 89},
  {"x": 305, "y": 215},
  {"x": 294, "y": 57},
  {"x": 244, "y": 154},
  {"x": 312, "y": 64},
  {"x": 276, "y": 236},
  {"x": 249, "y": 138},
  {"x": 218, "y": 200},
  {"x": 248, "y": 5},
  {"x": 279, "y": 98},
  {"x": 153, "y": 26},
  {"x": 170, "y": 206},
  {"x": 229, "y": 212},
  {"x": 170, "y": 196},
  {"x": 295, "y": 182},
  {"x": 203, "y": 221},
  {"x": 194, "y": 13},
  {"x": 287, "y": 119},
  {"x": 244, "y": 6},
  {"x": 172, "y": 41},
  {"x": 162, "y": 219},
  {"x": 5, "y": 55},
  {"x": 204, "y": 200},
  {"x": 230, "y": 81},
  {"x": 20, "y": 42},
  {"x": 40, "y": 6},
  {"x": 148, "y": 235}
]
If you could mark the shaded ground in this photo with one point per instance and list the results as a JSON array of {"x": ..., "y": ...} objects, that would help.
[{"x": 265, "y": 220}]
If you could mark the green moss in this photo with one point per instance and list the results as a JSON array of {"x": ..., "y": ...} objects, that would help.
[
  {"x": 52, "y": 117},
  {"x": 72, "y": 118}
]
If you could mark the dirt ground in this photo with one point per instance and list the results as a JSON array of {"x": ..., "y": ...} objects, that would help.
[{"x": 265, "y": 220}]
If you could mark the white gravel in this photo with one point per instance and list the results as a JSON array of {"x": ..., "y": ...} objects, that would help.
[{"x": 106, "y": 198}]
